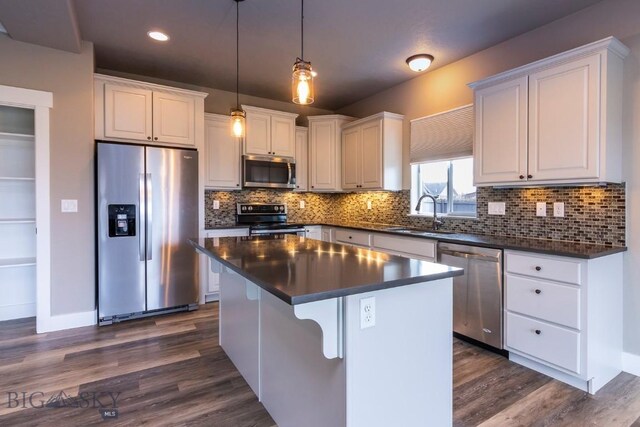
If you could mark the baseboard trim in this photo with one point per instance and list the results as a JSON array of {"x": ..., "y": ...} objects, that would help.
[
  {"x": 17, "y": 311},
  {"x": 68, "y": 321},
  {"x": 631, "y": 363}
]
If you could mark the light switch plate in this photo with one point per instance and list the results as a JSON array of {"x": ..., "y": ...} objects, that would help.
[
  {"x": 497, "y": 208},
  {"x": 558, "y": 209},
  {"x": 541, "y": 209},
  {"x": 216, "y": 204},
  {"x": 302, "y": 204},
  {"x": 68, "y": 205}
]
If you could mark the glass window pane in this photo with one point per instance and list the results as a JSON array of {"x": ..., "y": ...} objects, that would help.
[
  {"x": 434, "y": 180},
  {"x": 464, "y": 193}
]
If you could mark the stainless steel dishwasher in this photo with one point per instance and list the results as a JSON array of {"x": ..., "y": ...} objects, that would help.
[{"x": 477, "y": 295}]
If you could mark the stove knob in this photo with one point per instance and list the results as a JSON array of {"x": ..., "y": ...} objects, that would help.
[
  {"x": 243, "y": 208},
  {"x": 250, "y": 208}
]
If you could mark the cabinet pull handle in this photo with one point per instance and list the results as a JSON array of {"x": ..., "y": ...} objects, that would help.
[
  {"x": 538, "y": 268},
  {"x": 149, "y": 138},
  {"x": 538, "y": 291},
  {"x": 538, "y": 331},
  {"x": 521, "y": 176},
  {"x": 529, "y": 176}
]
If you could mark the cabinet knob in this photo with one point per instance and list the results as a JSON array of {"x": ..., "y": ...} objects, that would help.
[
  {"x": 297, "y": 186},
  {"x": 237, "y": 185},
  {"x": 350, "y": 237},
  {"x": 521, "y": 176},
  {"x": 538, "y": 331},
  {"x": 538, "y": 268},
  {"x": 149, "y": 138},
  {"x": 155, "y": 139},
  {"x": 538, "y": 291},
  {"x": 313, "y": 186},
  {"x": 529, "y": 176}
]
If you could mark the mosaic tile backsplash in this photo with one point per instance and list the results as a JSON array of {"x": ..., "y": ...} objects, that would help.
[{"x": 592, "y": 214}]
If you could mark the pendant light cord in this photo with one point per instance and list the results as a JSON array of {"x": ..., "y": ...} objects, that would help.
[
  {"x": 302, "y": 31},
  {"x": 237, "y": 54}
]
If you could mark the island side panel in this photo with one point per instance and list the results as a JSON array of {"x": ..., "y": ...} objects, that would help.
[
  {"x": 240, "y": 324},
  {"x": 299, "y": 386},
  {"x": 400, "y": 371}
]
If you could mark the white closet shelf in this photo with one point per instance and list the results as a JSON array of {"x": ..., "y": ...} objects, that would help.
[
  {"x": 17, "y": 220},
  {"x": 17, "y": 262},
  {"x": 16, "y": 178},
  {"x": 17, "y": 136}
]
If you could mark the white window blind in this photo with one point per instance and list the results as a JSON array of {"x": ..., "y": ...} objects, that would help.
[{"x": 446, "y": 135}]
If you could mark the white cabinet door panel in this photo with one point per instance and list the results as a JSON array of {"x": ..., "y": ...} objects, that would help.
[
  {"x": 371, "y": 166},
  {"x": 564, "y": 121},
  {"x": 283, "y": 136},
  {"x": 173, "y": 119},
  {"x": 302, "y": 160},
  {"x": 500, "y": 146},
  {"x": 128, "y": 112},
  {"x": 323, "y": 156},
  {"x": 222, "y": 151},
  {"x": 351, "y": 164},
  {"x": 258, "y": 133}
]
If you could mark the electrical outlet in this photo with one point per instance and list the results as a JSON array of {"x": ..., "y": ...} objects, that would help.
[
  {"x": 497, "y": 208},
  {"x": 69, "y": 205},
  {"x": 369, "y": 205},
  {"x": 216, "y": 204},
  {"x": 367, "y": 312},
  {"x": 558, "y": 209},
  {"x": 302, "y": 204},
  {"x": 541, "y": 209}
]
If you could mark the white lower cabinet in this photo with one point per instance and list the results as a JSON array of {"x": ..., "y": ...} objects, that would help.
[
  {"x": 404, "y": 246},
  {"x": 352, "y": 237},
  {"x": 327, "y": 234},
  {"x": 313, "y": 232},
  {"x": 210, "y": 278},
  {"x": 563, "y": 316}
]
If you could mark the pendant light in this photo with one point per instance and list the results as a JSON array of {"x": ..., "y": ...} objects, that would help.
[
  {"x": 302, "y": 78},
  {"x": 237, "y": 114}
]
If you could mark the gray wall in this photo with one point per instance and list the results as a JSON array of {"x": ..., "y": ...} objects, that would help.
[
  {"x": 69, "y": 77},
  {"x": 446, "y": 88}
]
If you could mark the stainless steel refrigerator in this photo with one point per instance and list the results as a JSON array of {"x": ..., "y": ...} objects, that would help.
[{"x": 147, "y": 209}]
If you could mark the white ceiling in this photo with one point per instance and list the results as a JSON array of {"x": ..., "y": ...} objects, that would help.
[{"x": 358, "y": 47}]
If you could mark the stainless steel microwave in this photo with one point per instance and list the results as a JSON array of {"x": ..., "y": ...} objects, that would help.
[{"x": 268, "y": 172}]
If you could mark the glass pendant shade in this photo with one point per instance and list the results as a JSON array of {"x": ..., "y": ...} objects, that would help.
[
  {"x": 237, "y": 123},
  {"x": 302, "y": 91}
]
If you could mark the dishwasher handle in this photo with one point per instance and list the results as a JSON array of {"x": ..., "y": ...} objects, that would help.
[{"x": 469, "y": 255}]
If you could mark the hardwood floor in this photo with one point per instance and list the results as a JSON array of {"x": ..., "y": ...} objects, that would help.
[{"x": 170, "y": 371}]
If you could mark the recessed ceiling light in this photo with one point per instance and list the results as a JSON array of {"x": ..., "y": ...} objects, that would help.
[
  {"x": 158, "y": 35},
  {"x": 419, "y": 62}
]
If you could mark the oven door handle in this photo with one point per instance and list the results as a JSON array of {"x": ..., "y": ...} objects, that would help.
[{"x": 281, "y": 231}]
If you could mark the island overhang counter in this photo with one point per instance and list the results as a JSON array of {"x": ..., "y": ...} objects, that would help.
[{"x": 333, "y": 335}]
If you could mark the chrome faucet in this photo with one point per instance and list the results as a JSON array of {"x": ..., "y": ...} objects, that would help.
[{"x": 436, "y": 221}]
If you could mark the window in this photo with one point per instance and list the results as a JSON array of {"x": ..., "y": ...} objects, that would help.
[{"x": 450, "y": 181}]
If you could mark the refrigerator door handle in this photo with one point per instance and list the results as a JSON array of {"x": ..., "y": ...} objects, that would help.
[
  {"x": 149, "y": 218},
  {"x": 141, "y": 215}
]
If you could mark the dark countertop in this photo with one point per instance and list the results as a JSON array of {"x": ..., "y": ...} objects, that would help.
[
  {"x": 549, "y": 247},
  {"x": 299, "y": 270}
]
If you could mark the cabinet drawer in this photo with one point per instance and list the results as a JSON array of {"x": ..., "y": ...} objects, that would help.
[
  {"x": 547, "y": 301},
  {"x": 352, "y": 237},
  {"x": 422, "y": 248},
  {"x": 558, "y": 269},
  {"x": 553, "y": 344}
]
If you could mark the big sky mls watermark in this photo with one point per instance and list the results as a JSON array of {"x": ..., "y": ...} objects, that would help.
[{"x": 106, "y": 402}]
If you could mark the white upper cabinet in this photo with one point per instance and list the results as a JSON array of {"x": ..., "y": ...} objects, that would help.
[
  {"x": 269, "y": 132},
  {"x": 133, "y": 111},
  {"x": 556, "y": 121},
  {"x": 222, "y": 154},
  {"x": 325, "y": 152},
  {"x": 173, "y": 118},
  {"x": 372, "y": 153},
  {"x": 302, "y": 159},
  {"x": 128, "y": 112}
]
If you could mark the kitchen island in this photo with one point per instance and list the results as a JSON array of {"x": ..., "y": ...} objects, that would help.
[{"x": 333, "y": 335}]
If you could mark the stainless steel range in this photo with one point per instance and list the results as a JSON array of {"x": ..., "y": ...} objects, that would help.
[{"x": 266, "y": 218}]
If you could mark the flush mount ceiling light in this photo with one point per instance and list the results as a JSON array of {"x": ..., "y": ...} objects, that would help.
[
  {"x": 158, "y": 35},
  {"x": 419, "y": 62},
  {"x": 302, "y": 91},
  {"x": 237, "y": 115}
]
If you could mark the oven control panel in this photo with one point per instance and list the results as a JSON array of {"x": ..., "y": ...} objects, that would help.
[{"x": 261, "y": 209}]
